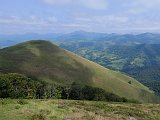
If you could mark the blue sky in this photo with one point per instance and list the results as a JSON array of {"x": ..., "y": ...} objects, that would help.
[{"x": 110, "y": 16}]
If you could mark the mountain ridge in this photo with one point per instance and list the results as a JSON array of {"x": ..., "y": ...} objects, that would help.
[
  {"x": 126, "y": 39},
  {"x": 45, "y": 61}
]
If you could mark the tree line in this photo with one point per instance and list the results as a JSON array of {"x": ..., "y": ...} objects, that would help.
[{"x": 17, "y": 86}]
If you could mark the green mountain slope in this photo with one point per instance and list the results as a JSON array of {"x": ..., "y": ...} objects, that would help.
[
  {"x": 141, "y": 61},
  {"x": 44, "y": 61}
]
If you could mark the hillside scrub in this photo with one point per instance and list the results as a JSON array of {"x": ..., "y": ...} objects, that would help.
[
  {"x": 47, "y": 109},
  {"x": 18, "y": 86}
]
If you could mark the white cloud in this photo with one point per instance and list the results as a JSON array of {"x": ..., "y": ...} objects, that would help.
[
  {"x": 91, "y": 4},
  {"x": 102, "y": 20},
  {"x": 94, "y": 4},
  {"x": 142, "y": 6},
  {"x": 52, "y": 19},
  {"x": 102, "y": 23},
  {"x": 57, "y": 2},
  {"x": 115, "y": 23},
  {"x": 111, "y": 18},
  {"x": 16, "y": 24},
  {"x": 30, "y": 20},
  {"x": 75, "y": 25},
  {"x": 105, "y": 23},
  {"x": 83, "y": 19},
  {"x": 147, "y": 3}
]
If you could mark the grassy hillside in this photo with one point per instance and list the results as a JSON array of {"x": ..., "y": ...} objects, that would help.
[
  {"x": 44, "y": 61},
  {"x": 75, "y": 110},
  {"x": 141, "y": 61}
]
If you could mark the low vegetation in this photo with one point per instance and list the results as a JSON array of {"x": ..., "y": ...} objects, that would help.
[
  {"x": 75, "y": 110},
  {"x": 17, "y": 86}
]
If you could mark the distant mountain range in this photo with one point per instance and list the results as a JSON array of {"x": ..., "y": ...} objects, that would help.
[{"x": 125, "y": 39}]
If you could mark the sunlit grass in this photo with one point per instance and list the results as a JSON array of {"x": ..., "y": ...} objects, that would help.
[{"x": 75, "y": 110}]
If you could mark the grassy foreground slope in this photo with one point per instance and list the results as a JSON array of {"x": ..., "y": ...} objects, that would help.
[
  {"x": 44, "y": 61},
  {"x": 75, "y": 110}
]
